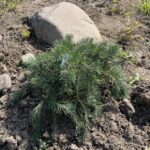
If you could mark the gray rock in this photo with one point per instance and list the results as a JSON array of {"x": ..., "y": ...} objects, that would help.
[
  {"x": 27, "y": 58},
  {"x": 3, "y": 69},
  {"x": 1, "y": 37},
  {"x": 2, "y": 114},
  {"x": 24, "y": 145},
  {"x": 62, "y": 138},
  {"x": 21, "y": 77},
  {"x": 88, "y": 145},
  {"x": 46, "y": 135},
  {"x": 3, "y": 99},
  {"x": 11, "y": 143},
  {"x": 55, "y": 22},
  {"x": 73, "y": 147},
  {"x": 18, "y": 138},
  {"x": 2, "y": 56},
  {"x": 2, "y": 141},
  {"x": 50, "y": 148},
  {"x": 5, "y": 81}
]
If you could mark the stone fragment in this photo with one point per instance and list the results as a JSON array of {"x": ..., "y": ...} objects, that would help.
[
  {"x": 11, "y": 143},
  {"x": 73, "y": 147},
  {"x": 27, "y": 58},
  {"x": 5, "y": 81}
]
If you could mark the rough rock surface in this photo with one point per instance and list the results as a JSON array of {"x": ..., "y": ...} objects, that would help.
[
  {"x": 5, "y": 81},
  {"x": 55, "y": 22}
]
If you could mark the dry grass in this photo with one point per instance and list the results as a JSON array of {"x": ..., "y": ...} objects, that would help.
[
  {"x": 128, "y": 32},
  {"x": 8, "y": 5}
]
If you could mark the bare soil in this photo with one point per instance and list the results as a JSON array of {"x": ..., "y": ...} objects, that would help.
[{"x": 115, "y": 130}]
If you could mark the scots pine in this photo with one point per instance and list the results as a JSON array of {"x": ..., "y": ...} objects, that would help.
[{"x": 70, "y": 77}]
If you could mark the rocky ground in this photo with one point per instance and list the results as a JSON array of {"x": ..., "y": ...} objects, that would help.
[{"x": 122, "y": 125}]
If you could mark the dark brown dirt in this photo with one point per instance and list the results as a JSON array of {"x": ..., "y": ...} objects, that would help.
[{"x": 114, "y": 130}]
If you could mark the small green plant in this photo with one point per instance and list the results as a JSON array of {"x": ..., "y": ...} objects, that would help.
[
  {"x": 70, "y": 78},
  {"x": 134, "y": 79},
  {"x": 145, "y": 7},
  {"x": 127, "y": 57},
  {"x": 114, "y": 8},
  {"x": 128, "y": 32},
  {"x": 25, "y": 33}
]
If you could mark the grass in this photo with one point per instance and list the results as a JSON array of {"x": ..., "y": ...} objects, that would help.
[
  {"x": 115, "y": 1},
  {"x": 145, "y": 7},
  {"x": 128, "y": 32},
  {"x": 113, "y": 10}
]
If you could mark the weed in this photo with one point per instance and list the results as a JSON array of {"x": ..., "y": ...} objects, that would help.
[
  {"x": 134, "y": 79},
  {"x": 127, "y": 57},
  {"x": 70, "y": 78},
  {"x": 8, "y": 5},
  {"x": 145, "y": 7},
  {"x": 114, "y": 9},
  {"x": 115, "y": 1},
  {"x": 25, "y": 33},
  {"x": 128, "y": 32}
]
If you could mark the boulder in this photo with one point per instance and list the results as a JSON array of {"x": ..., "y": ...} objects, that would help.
[
  {"x": 5, "y": 81},
  {"x": 55, "y": 22}
]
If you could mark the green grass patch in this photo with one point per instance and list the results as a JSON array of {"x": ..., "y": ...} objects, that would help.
[{"x": 145, "y": 7}]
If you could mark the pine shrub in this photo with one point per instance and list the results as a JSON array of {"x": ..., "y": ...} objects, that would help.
[{"x": 70, "y": 77}]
